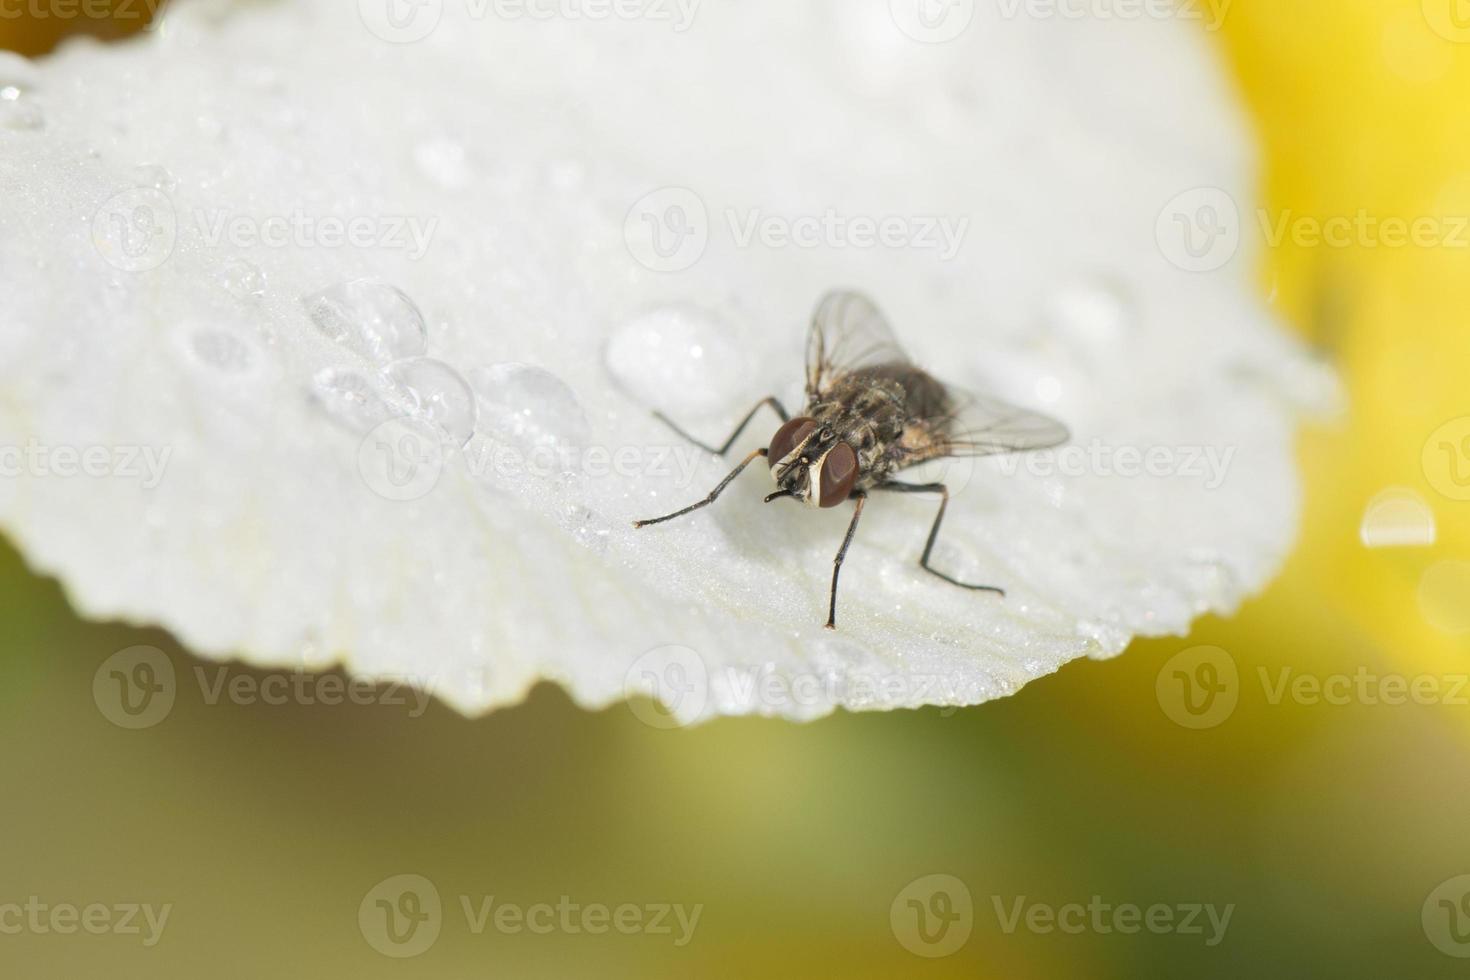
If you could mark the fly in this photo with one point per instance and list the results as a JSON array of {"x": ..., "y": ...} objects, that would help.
[{"x": 870, "y": 414}]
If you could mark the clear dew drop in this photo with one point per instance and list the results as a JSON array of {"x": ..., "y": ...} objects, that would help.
[
  {"x": 155, "y": 176},
  {"x": 437, "y": 393},
  {"x": 680, "y": 359},
  {"x": 370, "y": 318},
  {"x": 1095, "y": 313},
  {"x": 445, "y": 162},
  {"x": 19, "y": 109},
  {"x": 243, "y": 279},
  {"x": 222, "y": 351},
  {"x": 566, "y": 174},
  {"x": 1444, "y": 596},
  {"x": 1397, "y": 518},
  {"x": 529, "y": 406},
  {"x": 589, "y": 528},
  {"x": 350, "y": 398}
]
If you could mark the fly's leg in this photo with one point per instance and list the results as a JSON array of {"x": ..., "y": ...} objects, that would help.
[
  {"x": 771, "y": 401},
  {"x": 938, "y": 488},
  {"x": 713, "y": 494},
  {"x": 861, "y": 499}
]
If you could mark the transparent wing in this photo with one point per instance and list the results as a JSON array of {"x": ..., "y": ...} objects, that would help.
[
  {"x": 848, "y": 332},
  {"x": 984, "y": 426},
  {"x": 964, "y": 424}
]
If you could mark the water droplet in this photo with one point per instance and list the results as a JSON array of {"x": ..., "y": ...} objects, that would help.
[
  {"x": 19, "y": 109},
  {"x": 1095, "y": 313},
  {"x": 681, "y": 359},
  {"x": 1444, "y": 596},
  {"x": 243, "y": 279},
  {"x": 350, "y": 398},
  {"x": 566, "y": 175},
  {"x": 589, "y": 528},
  {"x": 1109, "y": 636},
  {"x": 155, "y": 176},
  {"x": 370, "y": 318},
  {"x": 437, "y": 393},
  {"x": 17, "y": 71},
  {"x": 445, "y": 162},
  {"x": 222, "y": 351},
  {"x": 529, "y": 406},
  {"x": 1397, "y": 518}
]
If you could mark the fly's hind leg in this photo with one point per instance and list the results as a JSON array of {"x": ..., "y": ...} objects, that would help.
[
  {"x": 941, "y": 489},
  {"x": 720, "y": 451}
]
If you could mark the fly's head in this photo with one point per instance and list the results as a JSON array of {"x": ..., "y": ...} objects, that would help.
[{"x": 809, "y": 462}]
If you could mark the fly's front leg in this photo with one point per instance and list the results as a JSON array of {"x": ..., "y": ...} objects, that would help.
[
  {"x": 941, "y": 489},
  {"x": 861, "y": 499},
  {"x": 771, "y": 401},
  {"x": 713, "y": 494}
]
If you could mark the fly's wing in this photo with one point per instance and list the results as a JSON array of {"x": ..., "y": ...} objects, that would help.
[
  {"x": 848, "y": 333},
  {"x": 965, "y": 424}
]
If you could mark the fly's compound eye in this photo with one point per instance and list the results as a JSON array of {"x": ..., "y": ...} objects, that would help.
[
  {"x": 788, "y": 437},
  {"x": 839, "y": 473}
]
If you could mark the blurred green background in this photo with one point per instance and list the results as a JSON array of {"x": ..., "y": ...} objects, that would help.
[{"x": 1330, "y": 828}]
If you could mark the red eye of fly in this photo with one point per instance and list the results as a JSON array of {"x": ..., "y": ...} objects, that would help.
[
  {"x": 839, "y": 473},
  {"x": 788, "y": 437}
]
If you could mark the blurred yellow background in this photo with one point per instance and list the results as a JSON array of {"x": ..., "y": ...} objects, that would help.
[{"x": 1326, "y": 826}]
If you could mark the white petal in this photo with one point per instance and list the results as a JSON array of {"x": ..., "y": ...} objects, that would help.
[{"x": 526, "y": 160}]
